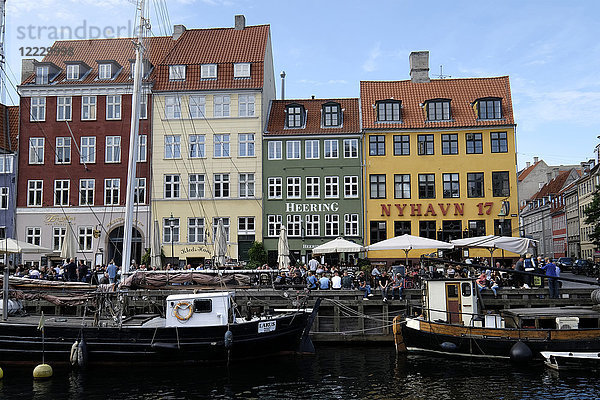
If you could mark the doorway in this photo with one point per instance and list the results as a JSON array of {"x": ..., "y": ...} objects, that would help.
[{"x": 115, "y": 245}]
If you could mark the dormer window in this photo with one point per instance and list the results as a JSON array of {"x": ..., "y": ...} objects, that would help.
[
  {"x": 438, "y": 110},
  {"x": 177, "y": 72},
  {"x": 72, "y": 72},
  {"x": 295, "y": 116},
  {"x": 388, "y": 111},
  {"x": 332, "y": 115},
  {"x": 241, "y": 70},
  {"x": 104, "y": 71},
  {"x": 489, "y": 108},
  {"x": 41, "y": 75},
  {"x": 208, "y": 71}
]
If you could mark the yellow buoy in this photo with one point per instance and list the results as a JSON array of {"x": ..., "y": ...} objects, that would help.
[{"x": 42, "y": 371}]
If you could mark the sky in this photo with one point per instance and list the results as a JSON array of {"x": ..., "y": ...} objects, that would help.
[{"x": 549, "y": 49}]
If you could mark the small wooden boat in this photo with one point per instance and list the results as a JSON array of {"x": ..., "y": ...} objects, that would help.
[{"x": 567, "y": 360}]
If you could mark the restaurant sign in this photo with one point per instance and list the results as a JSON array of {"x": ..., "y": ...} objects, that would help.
[{"x": 431, "y": 209}]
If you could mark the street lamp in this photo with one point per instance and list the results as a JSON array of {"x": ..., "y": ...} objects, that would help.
[{"x": 172, "y": 227}]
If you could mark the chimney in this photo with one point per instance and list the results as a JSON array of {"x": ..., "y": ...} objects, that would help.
[
  {"x": 312, "y": 97},
  {"x": 528, "y": 164},
  {"x": 27, "y": 68},
  {"x": 282, "y": 85},
  {"x": 178, "y": 31},
  {"x": 535, "y": 159},
  {"x": 419, "y": 66},
  {"x": 240, "y": 22}
]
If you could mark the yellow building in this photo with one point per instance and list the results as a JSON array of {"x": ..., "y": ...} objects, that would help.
[
  {"x": 440, "y": 158},
  {"x": 210, "y": 101}
]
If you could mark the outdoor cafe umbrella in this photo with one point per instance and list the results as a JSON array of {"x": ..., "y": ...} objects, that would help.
[
  {"x": 338, "y": 245},
  {"x": 283, "y": 249},
  {"x": 155, "y": 260},
  {"x": 69, "y": 245},
  {"x": 517, "y": 245},
  {"x": 409, "y": 242},
  {"x": 16, "y": 246},
  {"x": 220, "y": 244}
]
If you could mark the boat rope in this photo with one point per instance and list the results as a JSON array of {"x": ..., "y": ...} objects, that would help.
[
  {"x": 153, "y": 336},
  {"x": 358, "y": 330},
  {"x": 177, "y": 334}
]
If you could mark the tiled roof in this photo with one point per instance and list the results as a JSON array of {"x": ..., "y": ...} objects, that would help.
[
  {"x": 462, "y": 92},
  {"x": 13, "y": 126},
  {"x": 554, "y": 186},
  {"x": 276, "y": 123},
  {"x": 9, "y": 125},
  {"x": 523, "y": 174}
]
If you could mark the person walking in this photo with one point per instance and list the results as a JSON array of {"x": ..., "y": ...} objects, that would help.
[
  {"x": 552, "y": 272},
  {"x": 112, "y": 271}
]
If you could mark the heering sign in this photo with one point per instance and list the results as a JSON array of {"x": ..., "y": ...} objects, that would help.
[{"x": 311, "y": 207}]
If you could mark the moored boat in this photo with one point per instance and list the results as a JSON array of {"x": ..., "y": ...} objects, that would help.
[{"x": 568, "y": 360}]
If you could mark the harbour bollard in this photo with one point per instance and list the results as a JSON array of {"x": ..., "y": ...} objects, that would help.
[{"x": 42, "y": 371}]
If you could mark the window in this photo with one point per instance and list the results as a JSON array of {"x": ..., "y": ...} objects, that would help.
[
  {"x": 350, "y": 224},
  {"x": 196, "y": 143},
  {"x": 37, "y": 109},
  {"x": 86, "y": 192},
  {"x": 196, "y": 186},
  {"x": 197, "y": 106},
  {"x": 292, "y": 149},
  {"x": 172, "y": 107},
  {"x": 388, "y": 111},
  {"x": 474, "y": 143},
  {"x": 63, "y": 150},
  {"x": 401, "y": 145},
  {"x": 246, "y": 105},
  {"x": 34, "y": 193},
  {"x": 425, "y": 145},
  {"x": 113, "y": 149},
  {"x": 401, "y": 228},
  {"x": 499, "y": 142},
  {"x": 6, "y": 163},
  {"x": 377, "y": 183},
  {"x": 221, "y": 185},
  {"x": 143, "y": 106},
  {"x": 63, "y": 108},
  {"x": 377, "y": 231},
  {"x": 311, "y": 149},
  {"x": 426, "y": 186},
  {"x": 221, "y": 106},
  {"x": 331, "y": 148},
  {"x": 427, "y": 229},
  {"x": 246, "y": 182},
  {"x": 142, "y": 148},
  {"x": 294, "y": 190},
  {"x": 221, "y": 143},
  {"x": 332, "y": 115},
  {"x": 172, "y": 186},
  {"x": 225, "y": 221},
  {"x": 4, "y": 198},
  {"x": 196, "y": 230},
  {"x": 33, "y": 235},
  {"x": 113, "y": 107},
  {"x": 41, "y": 75},
  {"x": 295, "y": 116},
  {"x": 170, "y": 232},
  {"x": 61, "y": 192},
  {"x": 72, "y": 72},
  {"x": 332, "y": 225},
  {"x": 350, "y": 148},
  {"x": 294, "y": 225},
  {"x": 112, "y": 191},
  {"x": 36, "y": 150},
  {"x": 208, "y": 71},
  {"x": 139, "y": 194},
  {"x": 88, "y": 108},
  {"x": 274, "y": 187},
  {"x": 451, "y": 187},
  {"x": 86, "y": 236},
  {"x": 438, "y": 110},
  {"x": 332, "y": 187},
  {"x": 313, "y": 223},
  {"x": 477, "y": 228},
  {"x": 351, "y": 187},
  {"x": 312, "y": 187},
  {"x": 402, "y": 186},
  {"x": 273, "y": 225},
  {"x": 503, "y": 228},
  {"x": 274, "y": 151},
  {"x": 451, "y": 230},
  {"x": 489, "y": 109},
  {"x": 475, "y": 184},
  {"x": 104, "y": 71},
  {"x": 377, "y": 145},
  {"x": 500, "y": 184},
  {"x": 172, "y": 146},
  {"x": 58, "y": 235},
  {"x": 241, "y": 70},
  {"x": 246, "y": 145},
  {"x": 450, "y": 144},
  {"x": 177, "y": 72}
]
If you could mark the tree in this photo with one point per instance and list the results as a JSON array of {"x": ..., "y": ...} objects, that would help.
[
  {"x": 592, "y": 217},
  {"x": 257, "y": 255}
]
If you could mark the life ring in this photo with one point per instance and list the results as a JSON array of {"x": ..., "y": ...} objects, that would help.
[{"x": 183, "y": 305}]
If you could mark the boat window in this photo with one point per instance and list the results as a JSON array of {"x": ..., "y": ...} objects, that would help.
[
  {"x": 452, "y": 291},
  {"x": 202, "y": 305},
  {"x": 547, "y": 323},
  {"x": 587, "y": 323},
  {"x": 528, "y": 323},
  {"x": 466, "y": 289}
]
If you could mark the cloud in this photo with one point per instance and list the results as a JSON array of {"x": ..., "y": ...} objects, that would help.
[{"x": 370, "y": 63}]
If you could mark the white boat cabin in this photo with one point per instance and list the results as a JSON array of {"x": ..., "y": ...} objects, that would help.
[
  {"x": 202, "y": 309},
  {"x": 453, "y": 301}
]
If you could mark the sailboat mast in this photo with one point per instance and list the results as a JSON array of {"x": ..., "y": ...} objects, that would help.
[{"x": 133, "y": 144}]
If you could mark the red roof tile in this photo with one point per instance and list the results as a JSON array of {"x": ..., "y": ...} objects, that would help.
[
  {"x": 554, "y": 186},
  {"x": 527, "y": 171},
  {"x": 9, "y": 127},
  {"x": 13, "y": 126},
  {"x": 350, "y": 124},
  {"x": 462, "y": 92}
]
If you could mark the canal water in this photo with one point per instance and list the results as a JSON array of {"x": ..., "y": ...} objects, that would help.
[{"x": 348, "y": 372}]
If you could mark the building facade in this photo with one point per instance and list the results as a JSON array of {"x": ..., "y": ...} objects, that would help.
[
  {"x": 312, "y": 174},
  {"x": 9, "y": 132},
  {"x": 572, "y": 217},
  {"x": 586, "y": 188},
  {"x": 440, "y": 158}
]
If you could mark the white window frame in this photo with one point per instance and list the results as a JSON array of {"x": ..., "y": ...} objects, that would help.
[
  {"x": 294, "y": 187},
  {"x": 221, "y": 105},
  {"x": 171, "y": 233},
  {"x": 294, "y": 225},
  {"x": 246, "y": 185},
  {"x": 196, "y": 186},
  {"x": 241, "y": 70},
  {"x": 113, "y": 107},
  {"x": 313, "y": 186},
  {"x": 87, "y": 150},
  {"x": 226, "y": 226},
  {"x": 197, "y": 106},
  {"x": 208, "y": 71},
  {"x": 246, "y": 225},
  {"x": 350, "y": 148},
  {"x": 42, "y": 75},
  {"x": 33, "y": 235},
  {"x": 4, "y": 197},
  {"x": 196, "y": 230},
  {"x": 197, "y": 146},
  {"x": 86, "y": 238},
  {"x": 292, "y": 150},
  {"x": 88, "y": 108},
  {"x": 312, "y": 225},
  {"x": 62, "y": 192},
  {"x": 58, "y": 236},
  {"x": 105, "y": 71},
  {"x": 72, "y": 72},
  {"x": 331, "y": 146},
  {"x": 142, "y": 153},
  {"x": 112, "y": 154},
  {"x": 275, "y": 150},
  {"x": 274, "y": 225},
  {"x": 275, "y": 190},
  {"x": 246, "y": 105},
  {"x": 177, "y": 72},
  {"x": 172, "y": 147},
  {"x": 221, "y": 145},
  {"x": 87, "y": 189},
  {"x": 64, "y": 108},
  {"x": 172, "y": 186},
  {"x": 6, "y": 163},
  {"x": 37, "y": 109},
  {"x": 246, "y": 145},
  {"x": 35, "y": 192},
  {"x": 332, "y": 184},
  {"x": 350, "y": 187},
  {"x": 112, "y": 186},
  {"x": 144, "y": 106},
  {"x": 62, "y": 150},
  {"x": 139, "y": 194},
  {"x": 332, "y": 225},
  {"x": 36, "y": 146},
  {"x": 222, "y": 186},
  {"x": 309, "y": 149},
  {"x": 350, "y": 224},
  {"x": 172, "y": 107}
]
